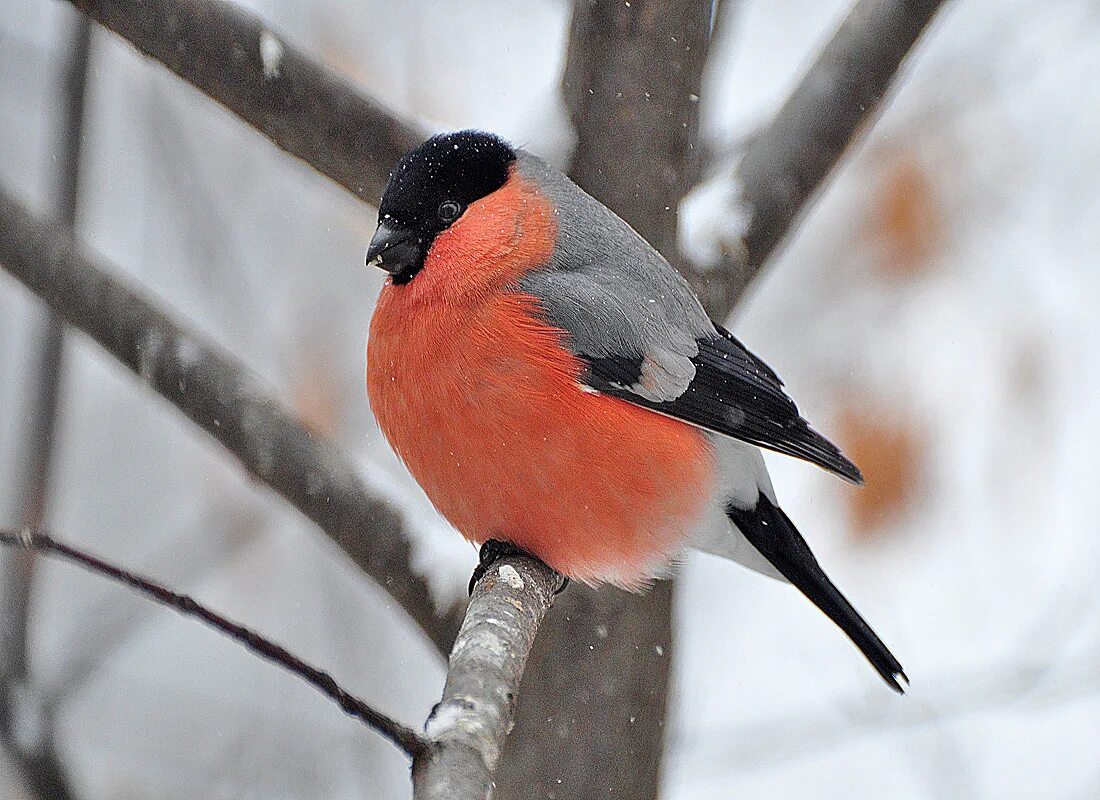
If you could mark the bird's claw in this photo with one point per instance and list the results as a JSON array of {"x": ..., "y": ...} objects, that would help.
[{"x": 492, "y": 551}]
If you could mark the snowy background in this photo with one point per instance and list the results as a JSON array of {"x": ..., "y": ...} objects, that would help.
[{"x": 936, "y": 312}]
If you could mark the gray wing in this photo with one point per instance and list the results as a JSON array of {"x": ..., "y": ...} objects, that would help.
[
  {"x": 641, "y": 340},
  {"x": 642, "y": 335}
]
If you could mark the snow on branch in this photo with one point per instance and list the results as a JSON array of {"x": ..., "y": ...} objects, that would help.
[
  {"x": 406, "y": 739},
  {"x": 782, "y": 167},
  {"x": 303, "y": 107},
  {"x": 466, "y": 730},
  {"x": 226, "y": 400}
]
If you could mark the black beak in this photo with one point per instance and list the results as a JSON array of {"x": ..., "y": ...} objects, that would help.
[{"x": 396, "y": 250}]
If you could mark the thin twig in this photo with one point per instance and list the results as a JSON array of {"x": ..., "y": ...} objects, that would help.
[
  {"x": 42, "y": 398},
  {"x": 112, "y": 625},
  {"x": 785, "y": 165},
  {"x": 466, "y": 730},
  {"x": 408, "y": 740},
  {"x": 227, "y": 401},
  {"x": 231, "y": 55}
]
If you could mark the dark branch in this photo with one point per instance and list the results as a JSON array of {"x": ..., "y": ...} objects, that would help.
[
  {"x": 784, "y": 166},
  {"x": 632, "y": 80},
  {"x": 305, "y": 109},
  {"x": 408, "y": 740},
  {"x": 224, "y": 399},
  {"x": 42, "y": 402},
  {"x": 112, "y": 625},
  {"x": 466, "y": 730}
]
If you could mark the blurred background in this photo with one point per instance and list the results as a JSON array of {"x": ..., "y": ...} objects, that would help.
[{"x": 935, "y": 313}]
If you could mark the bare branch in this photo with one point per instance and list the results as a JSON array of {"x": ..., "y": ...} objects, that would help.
[
  {"x": 410, "y": 742},
  {"x": 42, "y": 768},
  {"x": 632, "y": 81},
  {"x": 43, "y": 396},
  {"x": 111, "y": 625},
  {"x": 224, "y": 399},
  {"x": 305, "y": 109},
  {"x": 784, "y": 166},
  {"x": 466, "y": 730}
]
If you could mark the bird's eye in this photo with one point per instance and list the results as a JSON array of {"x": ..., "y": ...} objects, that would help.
[{"x": 449, "y": 210}]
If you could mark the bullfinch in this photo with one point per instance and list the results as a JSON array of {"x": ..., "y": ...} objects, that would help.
[{"x": 553, "y": 383}]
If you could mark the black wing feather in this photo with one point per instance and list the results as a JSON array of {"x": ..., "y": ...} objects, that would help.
[
  {"x": 733, "y": 393},
  {"x": 773, "y": 534},
  {"x": 756, "y": 360}
]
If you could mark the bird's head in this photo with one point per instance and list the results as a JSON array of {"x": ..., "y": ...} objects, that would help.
[{"x": 429, "y": 190}]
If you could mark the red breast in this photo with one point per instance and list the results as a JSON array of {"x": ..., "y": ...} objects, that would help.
[{"x": 482, "y": 402}]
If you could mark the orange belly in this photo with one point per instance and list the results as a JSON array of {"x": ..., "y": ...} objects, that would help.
[{"x": 484, "y": 408}]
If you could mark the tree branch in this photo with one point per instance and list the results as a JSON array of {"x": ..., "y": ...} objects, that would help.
[
  {"x": 43, "y": 770},
  {"x": 784, "y": 166},
  {"x": 466, "y": 730},
  {"x": 111, "y": 626},
  {"x": 305, "y": 109},
  {"x": 406, "y": 739},
  {"x": 631, "y": 82},
  {"x": 224, "y": 399}
]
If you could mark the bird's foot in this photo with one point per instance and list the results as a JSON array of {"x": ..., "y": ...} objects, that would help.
[{"x": 492, "y": 551}]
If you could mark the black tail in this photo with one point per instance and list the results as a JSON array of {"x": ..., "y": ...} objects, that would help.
[{"x": 771, "y": 532}]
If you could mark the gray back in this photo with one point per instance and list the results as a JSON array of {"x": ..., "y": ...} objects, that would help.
[{"x": 614, "y": 294}]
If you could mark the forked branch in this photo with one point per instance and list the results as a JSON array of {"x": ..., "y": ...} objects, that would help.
[{"x": 783, "y": 167}]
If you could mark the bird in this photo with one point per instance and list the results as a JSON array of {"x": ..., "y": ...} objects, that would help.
[{"x": 553, "y": 383}]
